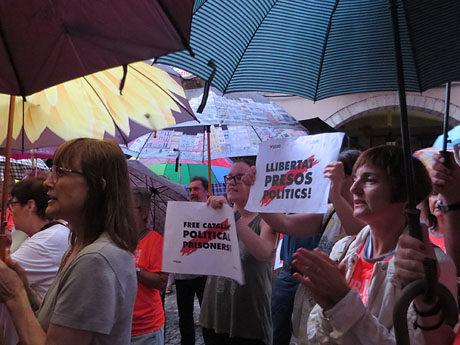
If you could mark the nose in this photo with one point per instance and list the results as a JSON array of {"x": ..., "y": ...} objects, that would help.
[
  {"x": 49, "y": 181},
  {"x": 355, "y": 187}
]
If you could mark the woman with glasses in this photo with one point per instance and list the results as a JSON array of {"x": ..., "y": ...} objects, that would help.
[
  {"x": 233, "y": 313},
  {"x": 91, "y": 300},
  {"x": 356, "y": 287}
]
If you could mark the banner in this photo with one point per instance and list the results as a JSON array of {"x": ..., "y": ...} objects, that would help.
[
  {"x": 289, "y": 174},
  {"x": 201, "y": 240}
]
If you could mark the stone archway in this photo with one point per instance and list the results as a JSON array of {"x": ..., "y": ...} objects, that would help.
[{"x": 362, "y": 108}]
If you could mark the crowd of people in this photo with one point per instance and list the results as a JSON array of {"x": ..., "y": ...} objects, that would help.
[{"x": 90, "y": 270}]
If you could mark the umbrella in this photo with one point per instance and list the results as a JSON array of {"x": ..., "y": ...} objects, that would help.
[
  {"x": 20, "y": 167},
  {"x": 453, "y": 138},
  {"x": 55, "y": 41},
  {"x": 238, "y": 133},
  {"x": 426, "y": 156},
  {"x": 92, "y": 106},
  {"x": 319, "y": 49},
  {"x": 185, "y": 171},
  {"x": 161, "y": 188}
]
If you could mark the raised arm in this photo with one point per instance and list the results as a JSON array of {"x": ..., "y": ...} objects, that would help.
[
  {"x": 341, "y": 198},
  {"x": 446, "y": 181},
  {"x": 299, "y": 225},
  {"x": 260, "y": 246}
]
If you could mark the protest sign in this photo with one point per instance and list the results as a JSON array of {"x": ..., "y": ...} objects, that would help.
[
  {"x": 201, "y": 240},
  {"x": 289, "y": 174}
]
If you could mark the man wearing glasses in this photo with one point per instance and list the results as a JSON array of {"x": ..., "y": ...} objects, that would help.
[{"x": 187, "y": 285}]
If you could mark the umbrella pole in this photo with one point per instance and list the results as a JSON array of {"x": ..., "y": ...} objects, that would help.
[
  {"x": 428, "y": 287},
  {"x": 413, "y": 215},
  {"x": 208, "y": 137},
  {"x": 445, "y": 127},
  {"x": 6, "y": 177}
]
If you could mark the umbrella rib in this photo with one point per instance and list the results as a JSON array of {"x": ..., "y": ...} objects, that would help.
[
  {"x": 166, "y": 92},
  {"x": 108, "y": 111},
  {"x": 323, "y": 53},
  {"x": 247, "y": 46}
]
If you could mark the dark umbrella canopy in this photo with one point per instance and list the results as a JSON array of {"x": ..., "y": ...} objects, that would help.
[
  {"x": 162, "y": 191},
  {"x": 319, "y": 49},
  {"x": 44, "y": 43}
]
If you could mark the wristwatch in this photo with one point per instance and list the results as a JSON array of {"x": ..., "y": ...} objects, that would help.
[{"x": 447, "y": 208}]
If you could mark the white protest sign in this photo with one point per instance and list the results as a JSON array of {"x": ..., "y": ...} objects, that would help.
[
  {"x": 201, "y": 240},
  {"x": 289, "y": 174}
]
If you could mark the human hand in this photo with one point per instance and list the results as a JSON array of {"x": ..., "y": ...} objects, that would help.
[
  {"x": 250, "y": 177},
  {"x": 446, "y": 180},
  {"x": 12, "y": 277},
  {"x": 336, "y": 173},
  {"x": 216, "y": 201},
  {"x": 324, "y": 278},
  {"x": 409, "y": 254}
]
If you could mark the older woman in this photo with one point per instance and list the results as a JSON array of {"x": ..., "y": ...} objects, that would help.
[
  {"x": 355, "y": 299},
  {"x": 240, "y": 314},
  {"x": 91, "y": 300}
]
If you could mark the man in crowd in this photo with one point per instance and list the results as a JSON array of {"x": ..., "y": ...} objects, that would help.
[
  {"x": 187, "y": 286},
  {"x": 148, "y": 316}
]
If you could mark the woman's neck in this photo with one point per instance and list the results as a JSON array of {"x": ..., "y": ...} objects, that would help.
[{"x": 385, "y": 236}]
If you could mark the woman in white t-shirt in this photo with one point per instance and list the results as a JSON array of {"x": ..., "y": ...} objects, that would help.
[{"x": 41, "y": 253}]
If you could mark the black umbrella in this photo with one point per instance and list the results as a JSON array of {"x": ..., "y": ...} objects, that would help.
[
  {"x": 44, "y": 43},
  {"x": 162, "y": 190}
]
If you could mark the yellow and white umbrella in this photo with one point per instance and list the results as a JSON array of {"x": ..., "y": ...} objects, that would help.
[{"x": 93, "y": 107}]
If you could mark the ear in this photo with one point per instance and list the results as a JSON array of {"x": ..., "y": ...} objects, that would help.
[
  {"x": 31, "y": 206},
  {"x": 103, "y": 184}
]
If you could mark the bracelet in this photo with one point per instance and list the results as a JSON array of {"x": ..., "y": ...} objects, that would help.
[
  {"x": 433, "y": 311},
  {"x": 429, "y": 328}
]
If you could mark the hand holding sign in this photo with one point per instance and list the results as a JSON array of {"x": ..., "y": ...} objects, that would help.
[
  {"x": 289, "y": 175},
  {"x": 201, "y": 240}
]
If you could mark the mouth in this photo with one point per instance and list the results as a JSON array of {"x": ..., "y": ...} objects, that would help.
[
  {"x": 51, "y": 198},
  {"x": 358, "y": 202}
]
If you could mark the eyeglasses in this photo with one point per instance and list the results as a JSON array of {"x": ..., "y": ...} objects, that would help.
[
  {"x": 12, "y": 203},
  {"x": 57, "y": 172},
  {"x": 236, "y": 178}
]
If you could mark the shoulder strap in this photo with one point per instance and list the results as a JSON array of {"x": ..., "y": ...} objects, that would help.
[
  {"x": 347, "y": 246},
  {"x": 331, "y": 212}
]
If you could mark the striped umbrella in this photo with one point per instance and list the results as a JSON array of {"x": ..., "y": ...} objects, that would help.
[{"x": 319, "y": 49}]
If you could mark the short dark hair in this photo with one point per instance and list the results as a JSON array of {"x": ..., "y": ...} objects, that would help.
[
  {"x": 390, "y": 159},
  {"x": 348, "y": 158},
  {"x": 202, "y": 179},
  {"x": 247, "y": 160},
  {"x": 32, "y": 188}
]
